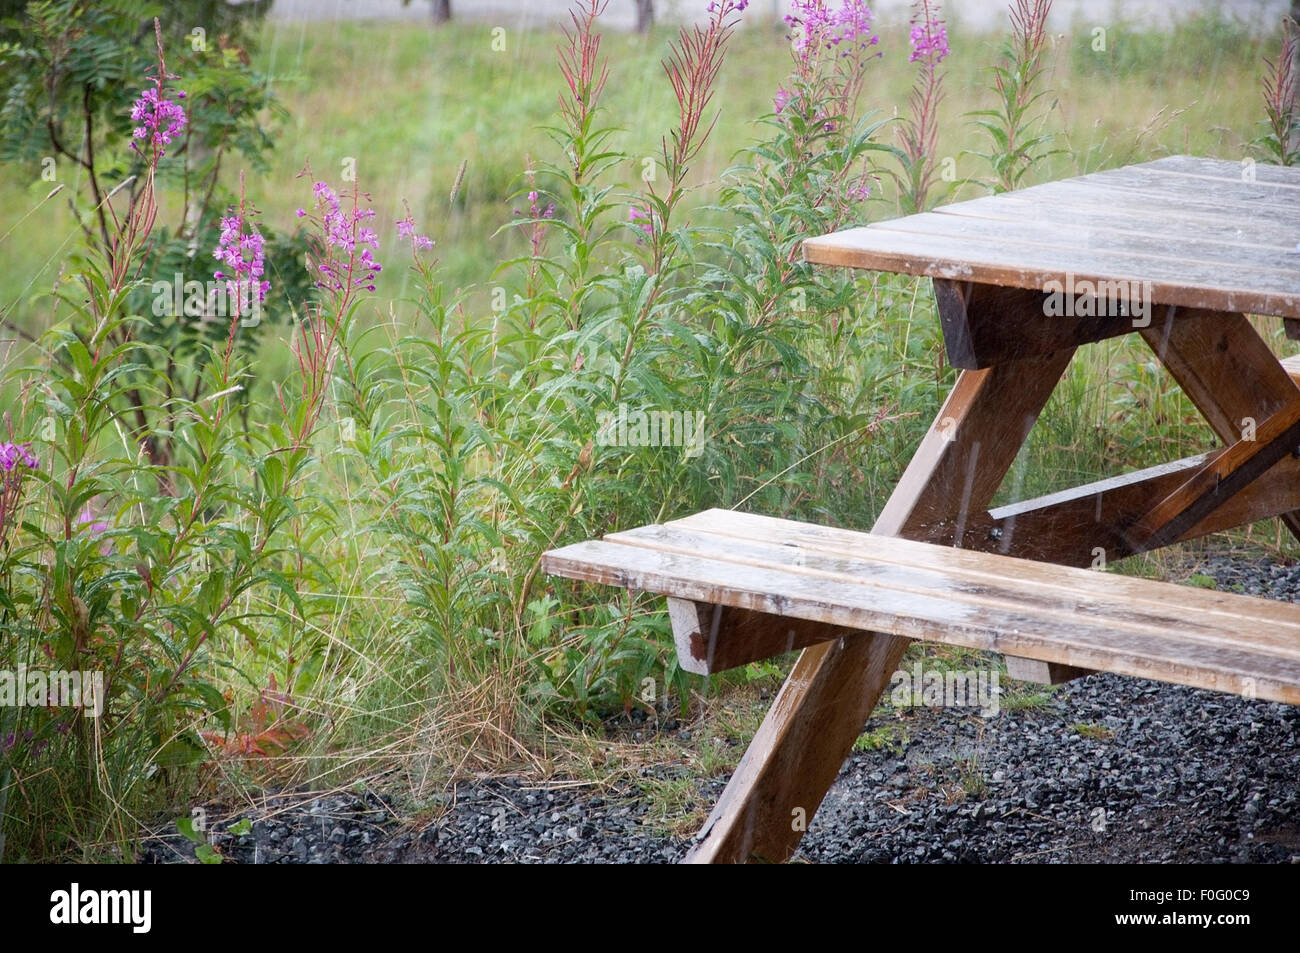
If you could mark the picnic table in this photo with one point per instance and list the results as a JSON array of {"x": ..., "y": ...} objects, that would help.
[{"x": 1178, "y": 251}]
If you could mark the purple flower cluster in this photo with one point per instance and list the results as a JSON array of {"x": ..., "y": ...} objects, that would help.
[
  {"x": 37, "y": 746},
  {"x": 160, "y": 119},
  {"x": 406, "y": 230},
  {"x": 929, "y": 35},
  {"x": 734, "y": 6},
  {"x": 535, "y": 210},
  {"x": 12, "y": 739},
  {"x": 841, "y": 30},
  {"x": 94, "y": 525},
  {"x": 14, "y": 454},
  {"x": 241, "y": 248},
  {"x": 344, "y": 231},
  {"x": 641, "y": 218}
]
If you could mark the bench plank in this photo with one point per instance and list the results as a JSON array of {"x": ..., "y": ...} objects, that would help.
[
  {"x": 1184, "y": 635},
  {"x": 1047, "y": 579}
]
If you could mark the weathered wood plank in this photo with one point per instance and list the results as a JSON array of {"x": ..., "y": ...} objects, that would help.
[
  {"x": 1074, "y": 527},
  {"x": 1226, "y": 169},
  {"x": 1150, "y": 249},
  {"x": 1200, "y": 237},
  {"x": 1240, "y": 653},
  {"x": 797, "y": 751},
  {"x": 1043, "y": 673},
  {"x": 1191, "y": 284},
  {"x": 1116, "y": 598},
  {"x": 1204, "y": 208},
  {"x": 1232, "y": 195},
  {"x": 1218, "y": 481},
  {"x": 1075, "y": 213}
]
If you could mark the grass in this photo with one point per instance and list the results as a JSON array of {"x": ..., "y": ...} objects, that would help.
[
  {"x": 1093, "y": 731},
  {"x": 891, "y": 736},
  {"x": 1025, "y": 696}
]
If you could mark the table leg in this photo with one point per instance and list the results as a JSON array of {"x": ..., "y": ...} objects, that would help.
[
  {"x": 1226, "y": 369},
  {"x": 820, "y": 710}
]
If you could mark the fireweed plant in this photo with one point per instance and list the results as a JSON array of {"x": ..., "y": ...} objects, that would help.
[
  {"x": 151, "y": 568},
  {"x": 74, "y": 72},
  {"x": 919, "y": 132},
  {"x": 1281, "y": 143},
  {"x": 1016, "y": 143}
]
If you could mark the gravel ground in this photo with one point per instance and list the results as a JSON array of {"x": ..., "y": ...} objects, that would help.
[{"x": 1106, "y": 769}]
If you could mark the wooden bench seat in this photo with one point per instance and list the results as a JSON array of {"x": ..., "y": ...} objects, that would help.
[{"x": 812, "y": 583}]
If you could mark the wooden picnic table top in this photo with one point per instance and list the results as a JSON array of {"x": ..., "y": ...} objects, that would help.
[{"x": 1205, "y": 233}]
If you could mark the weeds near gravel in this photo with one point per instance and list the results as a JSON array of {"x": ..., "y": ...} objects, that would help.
[
  {"x": 892, "y": 737},
  {"x": 1026, "y": 696},
  {"x": 1093, "y": 731}
]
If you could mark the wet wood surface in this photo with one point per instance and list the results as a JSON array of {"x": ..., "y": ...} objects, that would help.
[
  {"x": 1200, "y": 233},
  {"x": 859, "y": 581}
]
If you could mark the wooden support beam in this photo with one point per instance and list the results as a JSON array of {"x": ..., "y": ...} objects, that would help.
[
  {"x": 1083, "y": 526},
  {"x": 825, "y": 701},
  {"x": 1223, "y": 478},
  {"x": 985, "y": 325},
  {"x": 750, "y": 636},
  {"x": 1042, "y": 673},
  {"x": 1226, "y": 369}
]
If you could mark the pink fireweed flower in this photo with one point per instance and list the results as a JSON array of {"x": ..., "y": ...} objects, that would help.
[
  {"x": 406, "y": 231},
  {"x": 640, "y": 217},
  {"x": 535, "y": 210},
  {"x": 92, "y": 525},
  {"x": 838, "y": 31},
  {"x": 242, "y": 249},
  {"x": 160, "y": 119},
  {"x": 17, "y": 455},
  {"x": 929, "y": 37},
  {"x": 343, "y": 231}
]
